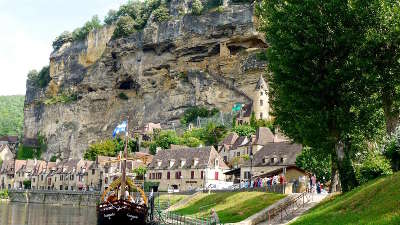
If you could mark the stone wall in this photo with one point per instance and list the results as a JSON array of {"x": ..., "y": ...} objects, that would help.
[{"x": 55, "y": 197}]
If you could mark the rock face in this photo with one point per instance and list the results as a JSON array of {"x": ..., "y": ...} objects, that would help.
[{"x": 209, "y": 60}]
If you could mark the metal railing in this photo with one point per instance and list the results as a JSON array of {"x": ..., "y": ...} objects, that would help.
[{"x": 289, "y": 207}]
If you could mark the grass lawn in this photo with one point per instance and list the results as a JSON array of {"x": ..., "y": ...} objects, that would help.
[
  {"x": 231, "y": 207},
  {"x": 377, "y": 202},
  {"x": 172, "y": 199}
]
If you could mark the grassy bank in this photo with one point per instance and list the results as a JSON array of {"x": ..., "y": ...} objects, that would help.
[
  {"x": 231, "y": 207},
  {"x": 168, "y": 198},
  {"x": 377, "y": 202}
]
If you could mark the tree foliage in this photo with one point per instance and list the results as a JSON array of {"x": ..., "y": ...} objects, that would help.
[
  {"x": 109, "y": 147},
  {"x": 125, "y": 27},
  {"x": 315, "y": 162},
  {"x": 63, "y": 38},
  {"x": 314, "y": 81},
  {"x": 244, "y": 130},
  {"x": 197, "y": 7},
  {"x": 374, "y": 165},
  {"x": 191, "y": 114},
  {"x": 11, "y": 115},
  {"x": 40, "y": 79},
  {"x": 391, "y": 149}
]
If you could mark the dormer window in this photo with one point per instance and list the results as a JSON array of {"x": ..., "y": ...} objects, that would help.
[
  {"x": 195, "y": 162},
  {"x": 183, "y": 162},
  {"x": 265, "y": 160},
  {"x": 272, "y": 160},
  {"x": 171, "y": 162}
]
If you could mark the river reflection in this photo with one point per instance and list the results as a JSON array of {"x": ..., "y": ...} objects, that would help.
[{"x": 40, "y": 214}]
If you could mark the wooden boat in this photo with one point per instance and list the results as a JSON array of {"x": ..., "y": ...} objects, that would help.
[{"x": 118, "y": 207}]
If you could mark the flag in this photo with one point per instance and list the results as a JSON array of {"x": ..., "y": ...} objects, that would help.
[
  {"x": 237, "y": 107},
  {"x": 120, "y": 128}
]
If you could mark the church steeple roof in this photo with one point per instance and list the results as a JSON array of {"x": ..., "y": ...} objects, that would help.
[{"x": 261, "y": 83}]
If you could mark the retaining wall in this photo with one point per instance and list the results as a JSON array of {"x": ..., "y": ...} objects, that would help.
[{"x": 55, "y": 197}]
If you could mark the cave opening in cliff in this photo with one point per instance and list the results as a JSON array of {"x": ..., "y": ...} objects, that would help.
[{"x": 127, "y": 84}]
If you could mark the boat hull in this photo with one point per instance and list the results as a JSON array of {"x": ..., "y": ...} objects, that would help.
[{"x": 121, "y": 212}]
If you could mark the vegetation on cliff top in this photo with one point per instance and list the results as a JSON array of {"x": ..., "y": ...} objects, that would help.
[
  {"x": 40, "y": 79},
  {"x": 11, "y": 115}
]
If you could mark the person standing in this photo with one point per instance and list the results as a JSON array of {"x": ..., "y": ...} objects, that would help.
[{"x": 313, "y": 182}]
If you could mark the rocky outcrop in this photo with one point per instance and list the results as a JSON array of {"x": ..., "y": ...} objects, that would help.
[{"x": 208, "y": 60}]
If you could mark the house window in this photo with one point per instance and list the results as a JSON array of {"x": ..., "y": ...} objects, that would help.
[
  {"x": 106, "y": 170},
  {"x": 225, "y": 158},
  {"x": 168, "y": 175},
  {"x": 216, "y": 163},
  {"x": 41, "y": 178},
  {"x": 72, "y": 177},
  {"x": 262, "y": 93},
  {"x": 238, "y": 154},
  {"x": 202, "y": 175},
  {"x": 33, "y": 180},
  {"x": 192, "y": 175},
  {"x": 61, "y": 177},
  {"x": 272, "y": 160},
  {"x": 216, "y": 176},
  {"x": 93, "y": 171},
  {"x": 247, "y": 175},
  {"x": 261, "y": 102},
  {"x": 159, "y": 176},
  {"x": 281, "y": 159},
  {"x": 261, "y": 116},
  {"x": 61, "y": 187},
  {"x": 178, "y": 175}
]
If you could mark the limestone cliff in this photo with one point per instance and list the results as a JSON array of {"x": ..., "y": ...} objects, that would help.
[{"x": 207, "y": 60}]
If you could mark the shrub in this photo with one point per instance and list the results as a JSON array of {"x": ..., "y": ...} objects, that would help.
[
  {"x": 25, "y": 152},
  {"x": 109, "y": 147},
  {"x": 211, "y": 4},
  {"x": 27, "y": 184},
  {"x": 242, "y": 1},
  {"x": 373, "y": 166},
  {"x": 53, "y": 158},
  {"x": 161, "y": 14},
  {"x": 111, "y": 17},
  {"x": 40, "y": 79},
  {"x": 391, "y": 149},
  {"x": 64, "y": 97},
  {"x": 191, "y": 114},
  {"x": 64, "y": 37},
  {"x": 4, "y": 194},
  {"x": 123, "y": 96},
  {"x": 125, "y": 27},
  {"x": 197, "y": 7},
  {"x": 82, "y": 32},
  {"x": 244, "y": 130}
]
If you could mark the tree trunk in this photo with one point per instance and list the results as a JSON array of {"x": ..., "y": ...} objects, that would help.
[
  {"x": 334, "y": 187},
  {"x": 391, "y": 114},
  {"x": 347, "y": 175}
]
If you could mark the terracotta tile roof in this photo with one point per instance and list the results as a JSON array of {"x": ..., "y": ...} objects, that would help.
[
  {"x": 19, "y": 164},
  {"x": 7, "y": 167}
]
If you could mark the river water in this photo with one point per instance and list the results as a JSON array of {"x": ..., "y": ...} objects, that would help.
[{"x": 39, "y": 214}]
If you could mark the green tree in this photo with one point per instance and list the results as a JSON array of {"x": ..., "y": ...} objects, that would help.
[
  {"x": 378, "y": 59},
  {"x": 197, "y": 7},
  {"x": 125, "y": 27},
  {"x": 109, "y": 147},
  {"x": 244, "y": 130},
  {"x": 11, "y": 115},
  {"x": 82, "y": 32},
  {"x": 315, "y": 162},
  {"x": 64, "y": 37},
  {"x": 374, "y": 165},
  {"x": 161, "y": 14},
  {"x": 253, "y": 120},
  {"x": 391, "y": 149},
  {"x": 27, "y": 184},
  {"x": 111, "y": 17},
  {"x": 312, "y": 79}
]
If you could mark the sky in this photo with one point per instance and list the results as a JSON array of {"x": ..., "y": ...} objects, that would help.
[{"x": 28, "y": 28}]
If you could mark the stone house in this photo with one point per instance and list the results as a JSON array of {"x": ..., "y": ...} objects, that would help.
[
  {"x": 5, "y": 153},
  {"x": 187, "y": 169},
  {"x": 20, "y": 176},
  {"x": 271, "y": 157},
  {"x": 45, "y": 175},
  {"x": 7, "y": 174},
  {"x": 11, "y": 141}
]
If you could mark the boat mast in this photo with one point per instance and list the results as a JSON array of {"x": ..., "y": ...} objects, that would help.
[{"x": 123, "y": 178}]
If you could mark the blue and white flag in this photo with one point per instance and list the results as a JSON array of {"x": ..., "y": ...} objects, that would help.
[{"x": 120, "y": 128}]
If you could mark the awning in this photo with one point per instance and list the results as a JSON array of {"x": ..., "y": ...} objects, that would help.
[{"x": 235, "y": 172}]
